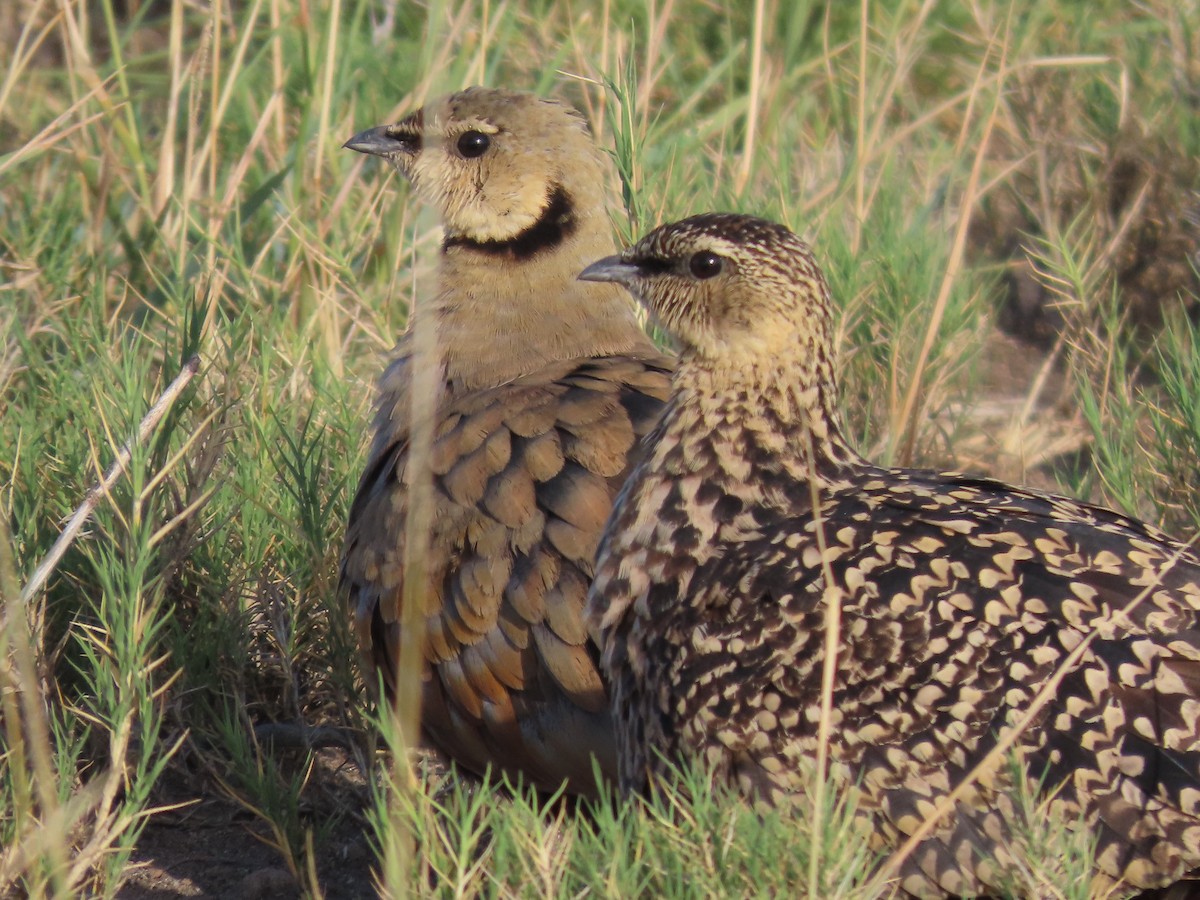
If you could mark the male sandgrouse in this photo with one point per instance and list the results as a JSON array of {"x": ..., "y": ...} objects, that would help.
[
  {"x": 959, "y": 597},
  {"x": 548, "y": 385}
]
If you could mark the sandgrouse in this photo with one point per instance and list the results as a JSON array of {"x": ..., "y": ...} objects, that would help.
[
  {"x": 549, "y": 383},
  {"x": 960, "y": 597}
]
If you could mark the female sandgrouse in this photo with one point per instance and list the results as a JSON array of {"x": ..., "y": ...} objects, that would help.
[
  {"x": 548, "y": 386},
  {"x": 960, "y": 598}
]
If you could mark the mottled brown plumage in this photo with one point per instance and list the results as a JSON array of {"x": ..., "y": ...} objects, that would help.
[
  {"x": 960, "y": 597},
  {"x": 548, "y": 385}
]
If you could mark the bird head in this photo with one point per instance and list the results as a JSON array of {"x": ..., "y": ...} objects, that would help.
[
  {"x": 495, "y": 163},
  {"x": 726, "y": 285}
]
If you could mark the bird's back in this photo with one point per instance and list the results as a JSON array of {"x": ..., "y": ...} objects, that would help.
[
  {"x": 961, "y": 598},
  {"x": 525, "y": 475}
]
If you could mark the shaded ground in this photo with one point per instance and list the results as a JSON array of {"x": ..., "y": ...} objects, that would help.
[
  {"x": 215, "y": 848},
  {"x": 1022, "y": 424}
]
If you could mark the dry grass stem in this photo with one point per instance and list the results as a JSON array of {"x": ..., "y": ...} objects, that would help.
[{"x": 97, "y": 493}]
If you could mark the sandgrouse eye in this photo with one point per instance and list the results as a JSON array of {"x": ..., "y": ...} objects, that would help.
[
  {"x": 472, "y": 144},
  {"x": 705, "y": 264}
]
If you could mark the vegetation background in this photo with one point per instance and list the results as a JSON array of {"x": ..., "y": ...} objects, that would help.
[{"x": 1005, "y": 197}]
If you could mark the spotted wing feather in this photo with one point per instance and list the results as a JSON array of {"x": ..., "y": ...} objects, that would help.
[
  {"x": 961, "y": 598},
  {"x": 525, "y": 475}
]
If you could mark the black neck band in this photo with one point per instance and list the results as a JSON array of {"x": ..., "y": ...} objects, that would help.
[{"x": 554, "y": 226}]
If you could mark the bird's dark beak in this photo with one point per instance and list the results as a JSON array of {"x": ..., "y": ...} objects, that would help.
[
  {"x": 611, "y": 268},
  {"x": 378, "y": 141}
]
